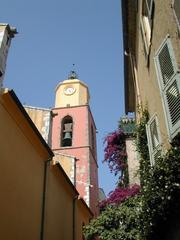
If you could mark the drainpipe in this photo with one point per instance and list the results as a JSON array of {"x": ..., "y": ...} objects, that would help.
[
  {"x": 74, "y": 216},
  {"x": 134, "y": 74},
  {"x": 46, "y": 164}
]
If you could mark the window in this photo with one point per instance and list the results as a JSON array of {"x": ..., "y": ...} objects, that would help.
[
  {"x": 154, "y": 141},
  {"x": 146, "y": 24},
  {"x": 92, "y": 139},
  {"x": 169, "y": 82},
  {"x": 176, "y": 7},
  {"x": 66, "y": 132}
]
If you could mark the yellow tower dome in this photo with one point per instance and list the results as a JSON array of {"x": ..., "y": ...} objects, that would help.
[{"x": 71, "y": 92}]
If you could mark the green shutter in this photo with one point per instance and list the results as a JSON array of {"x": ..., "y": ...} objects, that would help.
[{"x": 169, "y": 83}]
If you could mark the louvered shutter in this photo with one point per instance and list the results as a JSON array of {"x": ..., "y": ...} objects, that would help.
[
  {"x": 169, "y": 82},
  {"x": 177, "y": 11},
  {"x": 154, "y": 139},
  {"x": 172, "y": 97},
  {"x": 148, "y": 6}
]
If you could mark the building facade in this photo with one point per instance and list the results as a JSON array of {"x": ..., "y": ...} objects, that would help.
[{"x": 151, "y": 68}]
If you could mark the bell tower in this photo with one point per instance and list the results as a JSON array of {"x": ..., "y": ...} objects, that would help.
[
  {"x": 6, "y": 34},
  {"x": 74, "y": 134}
]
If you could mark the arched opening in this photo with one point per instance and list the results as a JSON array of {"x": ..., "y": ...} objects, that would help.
[{"x": 67, "y": 131}]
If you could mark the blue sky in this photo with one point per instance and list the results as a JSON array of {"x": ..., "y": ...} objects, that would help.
[{"x": 55, "y": 34}]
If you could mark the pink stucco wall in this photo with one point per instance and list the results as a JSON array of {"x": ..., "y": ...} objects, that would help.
[{"x": 86, "y": 164}]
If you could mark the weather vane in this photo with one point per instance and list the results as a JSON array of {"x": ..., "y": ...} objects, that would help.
[{"x": 73, "y": 74}]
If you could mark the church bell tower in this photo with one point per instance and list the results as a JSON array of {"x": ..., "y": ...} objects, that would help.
[
  {"x": 6, "y": 34},
  {"x": 74, "y": 134}
]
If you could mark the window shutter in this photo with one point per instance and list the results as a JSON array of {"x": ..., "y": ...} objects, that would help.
[
  {"x": 177, "y": 11},
  {"x": 154, "y": 140},
  {"x": 149, "y": 5},
  {"x": 154, "y": 134},
  {"x": 143, "y": 33},
  {"x": 172, "y": 99},
  {"x": 157, "y": 154},
  {"x": 169, "y": 83},
  {"x": 167, "y": 63},
  {"x": 146, "y": 24}
]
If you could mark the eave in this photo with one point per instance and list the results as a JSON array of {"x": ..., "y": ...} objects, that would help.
[{"x": 129, "y": 21}]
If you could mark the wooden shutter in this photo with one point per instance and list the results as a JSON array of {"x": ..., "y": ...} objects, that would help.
[{"x": 169, "y": 83}]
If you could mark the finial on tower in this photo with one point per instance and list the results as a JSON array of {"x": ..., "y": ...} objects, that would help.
[{"x": 73, "y": 74}]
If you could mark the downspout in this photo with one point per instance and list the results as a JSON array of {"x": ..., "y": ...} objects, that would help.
[
  {"x": 134, "y": 74},
  {"x": 74, "y": 217},
  {"x": 46, "y": 164}
]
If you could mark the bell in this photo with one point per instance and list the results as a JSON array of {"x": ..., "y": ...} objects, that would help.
[
  {"x": 67, "y": 140},
  {"x": 67, "y": 135}
]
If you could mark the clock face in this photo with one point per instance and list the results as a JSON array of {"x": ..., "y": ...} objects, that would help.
[{"x": 69, "y": 90}]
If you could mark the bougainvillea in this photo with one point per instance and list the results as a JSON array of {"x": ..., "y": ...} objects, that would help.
[
  {"x": 115, "y": 152},
  {"x": 119, "y": 195}
]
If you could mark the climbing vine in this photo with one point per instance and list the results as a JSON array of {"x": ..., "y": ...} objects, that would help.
[
  {"x": 160, "y": 187},
  {"x": 151, "y": 213}
]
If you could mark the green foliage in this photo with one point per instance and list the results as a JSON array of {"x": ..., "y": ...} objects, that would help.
[
  {"x": 117, "y": 222},
  {"x": 160, "y": 204},
  {"x": 160, "y": 186},
  {"x": 142, "y": 148}
]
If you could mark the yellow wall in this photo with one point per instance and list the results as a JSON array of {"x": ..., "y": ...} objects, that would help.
[
  {"x": 59, "y": 206},
  {"x": 21, "y": 177},
  {"x": 22, "y": 158},
  {"x": 79, "y": 97},
  {"x": 67, "y": 163},
  {"x": 82, "y": 218}
]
